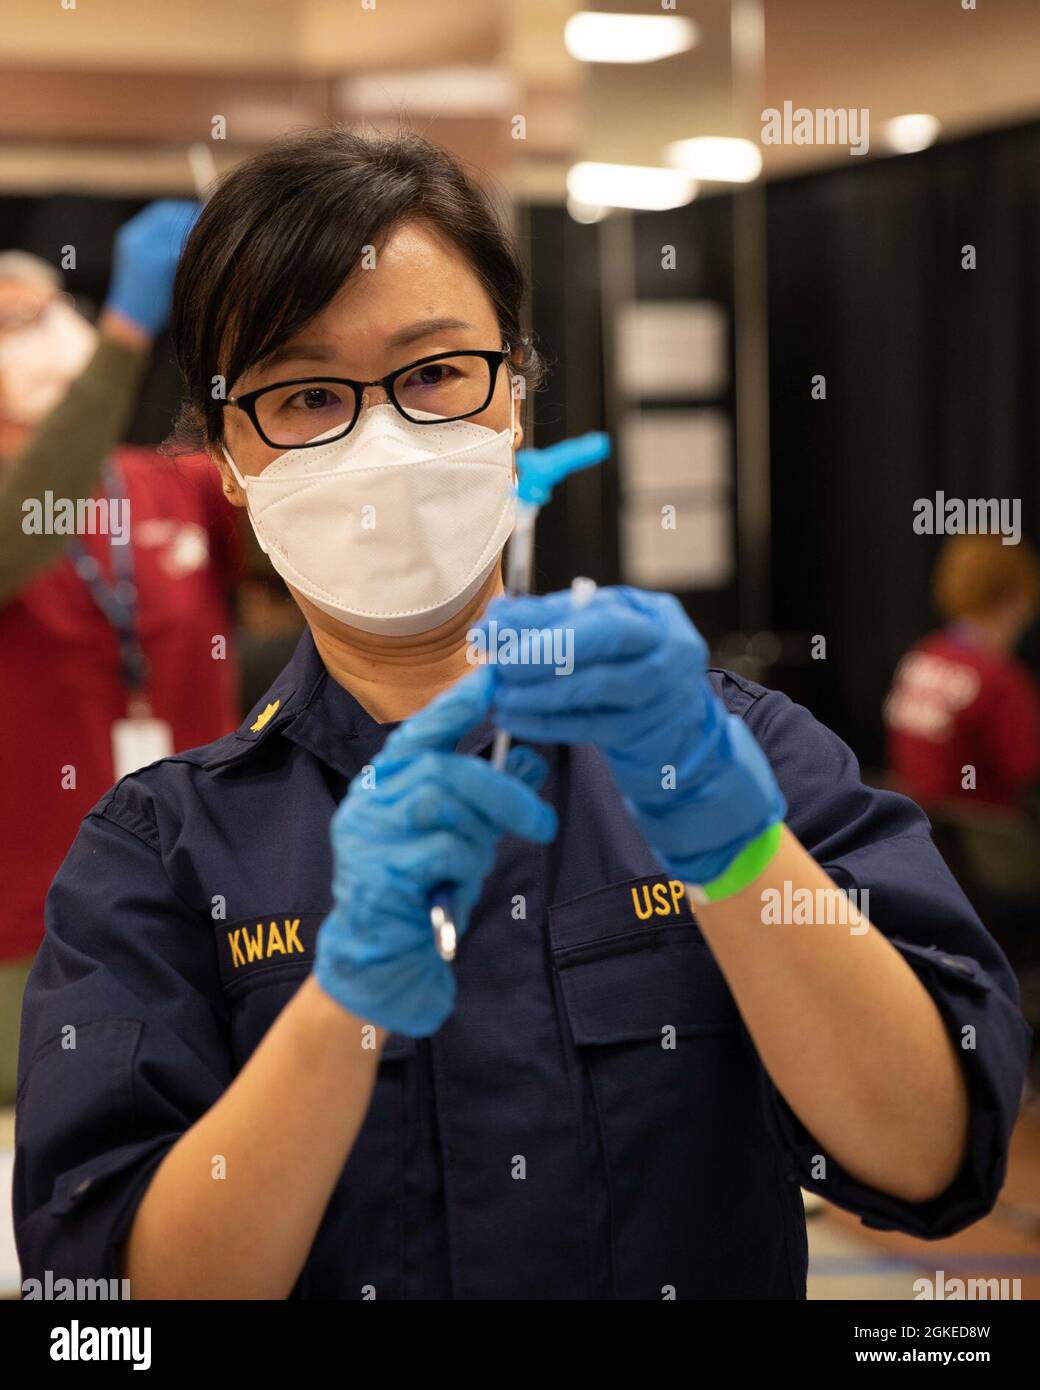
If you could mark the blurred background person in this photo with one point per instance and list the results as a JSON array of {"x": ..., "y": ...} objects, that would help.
[
  {"x": 962, "y": 722},
  {"x": 117, "y": 642},
  {"x": 963, "y": 714}
]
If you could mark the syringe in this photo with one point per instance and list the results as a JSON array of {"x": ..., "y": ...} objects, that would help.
[{"x": 539, "y": 470}]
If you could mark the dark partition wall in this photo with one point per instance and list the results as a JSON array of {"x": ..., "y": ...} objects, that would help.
[
  {"x": 932, "y": 378},
  {"x": 577, "y": 531},
  {"x": 576, "y": 270},
  {"x": 932, "y": 375}
]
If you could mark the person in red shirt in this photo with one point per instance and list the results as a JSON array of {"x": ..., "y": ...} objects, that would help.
[
  {"x": 963, "y": 715},
  {"x": 115, "y": 623}
]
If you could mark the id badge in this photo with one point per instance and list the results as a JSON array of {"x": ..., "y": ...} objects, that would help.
[{"x": 138, "y": 741}]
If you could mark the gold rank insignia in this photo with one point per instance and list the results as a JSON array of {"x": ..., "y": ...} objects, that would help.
[{"x": 263, "y": 718}]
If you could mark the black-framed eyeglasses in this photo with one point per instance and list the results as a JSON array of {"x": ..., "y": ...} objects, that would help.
[{"x": 303, "y": 412}]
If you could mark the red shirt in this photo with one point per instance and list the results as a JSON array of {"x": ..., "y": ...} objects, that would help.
[
  {"x": 60, "y": 682},
  {"x": 955, "y": 703}
]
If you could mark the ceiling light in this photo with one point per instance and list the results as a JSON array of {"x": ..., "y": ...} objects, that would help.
[
  {"x": 629, "y": 186},
  {"x": 627, "y": 38},
  {"x": 716, "y": 158},
  {"x": 584, "y": 212},
  {"x": 905, "y": 134}
]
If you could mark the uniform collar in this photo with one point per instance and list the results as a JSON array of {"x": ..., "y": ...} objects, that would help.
[{"x": 305, "y": 705}]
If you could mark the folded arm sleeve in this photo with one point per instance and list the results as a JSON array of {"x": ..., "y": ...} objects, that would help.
[
  {"x": 123, "y": 1045},
  {"x": 880, "y": 843}
]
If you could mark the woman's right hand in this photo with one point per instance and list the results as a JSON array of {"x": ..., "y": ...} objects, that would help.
[{"x": 420, "y": 817}]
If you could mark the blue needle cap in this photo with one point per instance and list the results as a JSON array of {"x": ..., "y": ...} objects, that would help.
[{"x": 541, "y": 469}]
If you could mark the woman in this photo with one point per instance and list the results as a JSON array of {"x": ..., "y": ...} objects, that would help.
[{"x": 275, "y": 1085}]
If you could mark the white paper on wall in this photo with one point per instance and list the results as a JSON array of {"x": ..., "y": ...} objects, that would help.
[
  {"x": 671, "y": 450},
  {"x": 669, "y": 348},
  {"x": 696, "y": 554}
]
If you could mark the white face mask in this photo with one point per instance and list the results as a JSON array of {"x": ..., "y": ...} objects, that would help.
[
  {"x": 38, "y": 362},
  {"x": 395, "y": 527}
]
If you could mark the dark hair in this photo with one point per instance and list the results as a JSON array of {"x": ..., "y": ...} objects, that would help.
[{"x": 285, "y": 229}]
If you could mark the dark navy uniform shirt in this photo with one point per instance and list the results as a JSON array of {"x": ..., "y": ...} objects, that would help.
[{"x": 592, "y": 1121}]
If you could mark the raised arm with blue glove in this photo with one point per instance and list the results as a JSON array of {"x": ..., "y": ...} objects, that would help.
[
  {"x": 427, "y": 816},
  {"x": 696, "y": 781},
  {"x": 144, "y": 262}
]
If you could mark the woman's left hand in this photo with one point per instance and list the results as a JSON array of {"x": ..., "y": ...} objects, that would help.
[{"x": 626, "y": 672}]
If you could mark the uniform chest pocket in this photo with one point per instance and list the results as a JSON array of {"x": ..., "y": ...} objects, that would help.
[
  {"x": 632, "y": 964},
  {"x": 665, "y": 1087}
]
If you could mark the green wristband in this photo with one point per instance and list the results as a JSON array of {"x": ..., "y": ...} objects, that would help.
[{"x": 747, "y": 866}]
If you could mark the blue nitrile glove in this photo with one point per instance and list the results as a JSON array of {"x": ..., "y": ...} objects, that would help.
[
  {"x": 639, "y": 692},
  {"x": 432, "y": 817},
  {"x": 147, "y": 250}
]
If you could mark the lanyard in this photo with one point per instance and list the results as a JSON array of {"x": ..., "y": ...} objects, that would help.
[{"x": 118, "y": 600}]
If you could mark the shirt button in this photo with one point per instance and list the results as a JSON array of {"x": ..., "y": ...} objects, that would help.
[
  {"x": 81, "y": 1187},
  {"x": 449, "y": 1157}
]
